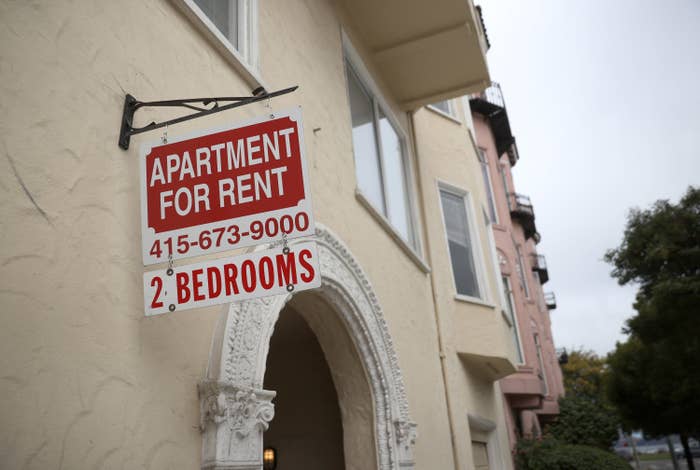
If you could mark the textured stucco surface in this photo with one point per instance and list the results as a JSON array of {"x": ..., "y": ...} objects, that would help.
[
  {"x": 447, "y": 155},
  {"x": 531, "y": 312},
  {"x": 86, "y": 381}
]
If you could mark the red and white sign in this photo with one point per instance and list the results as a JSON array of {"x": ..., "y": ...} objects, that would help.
[
  {"x": 233, "y": 279},
  {"x": 223, "y": 189}
]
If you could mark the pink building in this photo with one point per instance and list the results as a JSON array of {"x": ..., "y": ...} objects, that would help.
[{"x": 531, "y": 393}]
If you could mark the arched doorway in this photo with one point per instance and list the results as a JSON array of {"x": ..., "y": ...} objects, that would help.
[
  {"x": 307, "y": 432},
  {"x": 348, "y": 322}
]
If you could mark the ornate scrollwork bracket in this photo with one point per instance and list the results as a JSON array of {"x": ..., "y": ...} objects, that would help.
[{"x": 131, "y": 105}]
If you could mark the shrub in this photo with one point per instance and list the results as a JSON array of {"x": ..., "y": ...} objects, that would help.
[{"x": 549, "y": 454}]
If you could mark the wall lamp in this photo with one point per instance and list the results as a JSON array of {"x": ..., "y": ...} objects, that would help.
[{"x": 269, "y": 458}]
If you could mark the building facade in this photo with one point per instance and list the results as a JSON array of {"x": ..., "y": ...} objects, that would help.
[
  {"x": 532, "y": 393},
  {"x": 394, "y": 362}
]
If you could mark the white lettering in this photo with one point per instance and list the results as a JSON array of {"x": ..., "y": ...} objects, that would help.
[
  {"x": 226, "y": 190},
  {"x": 271, "y": 146},
  {"x": 285, "y": 133},
  {"x": 164, "y": 203},
  {"x": 242, "y": 187},
  {"x": 217, "y": 153},
  {"x": 157, "y": 173},
  {"x": 252, "y": 149},
  {"x": 188, "y": 201},
  {"x": 201, "y": 195},
  {"x": 203, "y": 157},
  {"x": 236, "y": 159},
  {"x": 260, "y": 183},
  {"x": 172, "y": 164},
  {"x": 186, "y": 168},
  {"x": 278, "y": 172}
]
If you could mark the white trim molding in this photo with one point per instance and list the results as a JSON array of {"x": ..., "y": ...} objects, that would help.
[
  {"x": 235, "y": 410},
  {"x": 245, "y": 60}
]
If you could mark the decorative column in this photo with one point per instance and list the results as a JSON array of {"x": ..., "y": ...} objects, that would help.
[
  {"x": 406, "y": 433},
  {"x": 233, "y": 420}
]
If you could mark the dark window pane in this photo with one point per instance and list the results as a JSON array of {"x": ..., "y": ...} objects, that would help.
[
  {"x": 461, "y": 254},
  {"x": 224, "y": 15}
]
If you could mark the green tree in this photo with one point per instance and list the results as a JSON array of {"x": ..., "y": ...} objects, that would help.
[
  {"x": 655, "y": 375},
  {"x": 550, "y": 454},
  {"x": 583, "y": 374},
  {"x": 585, "y": 415}
]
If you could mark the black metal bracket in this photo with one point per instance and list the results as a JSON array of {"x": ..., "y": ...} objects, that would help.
[{"x": 131, "y": 104}]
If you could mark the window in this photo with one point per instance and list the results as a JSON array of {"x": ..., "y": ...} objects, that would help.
[
  {"x": 445, "y": 107},
  {"x": 459, "y": 240},
  {"x": 483, "y": 159},
  {"x": 540, "y": 362},
  {"x": 502, "y": 169},
  {"x": 520, "y": 267},
  {"x": 480, "y": 455},
  {"x": 236, "y": 20},
  {"x": 510, "y": 311},
  {"x": 381, "y": 163}
]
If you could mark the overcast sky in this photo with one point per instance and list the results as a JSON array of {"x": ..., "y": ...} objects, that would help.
[{"x": 604, "y": 101}]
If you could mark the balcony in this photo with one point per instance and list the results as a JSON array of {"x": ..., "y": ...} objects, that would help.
[
  {"x": 491, "y": 105},
  {"x": 524, "y": 389},
  {"x": 513, "y": 155},
  {"x": 424, "y": 51},
  {"x": 539, "y": 265},
  {"x": 550, "y": 300},
  {"x": 521, "y": 211}
]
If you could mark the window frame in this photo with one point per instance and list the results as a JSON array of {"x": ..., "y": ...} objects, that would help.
[
  {"x": 353, "y": 64},
  {"x": 513, "y": 319},
  {"x": 474, "y": 238},
  {"x": 483, "y": 158},
  {"x": 522, "y": 274},
  {"x": 504, "y": 179},
  {"x": 452, "y": 110},
  {"x": 246, "y": 58},
  {"x": 540, "y": 361}
]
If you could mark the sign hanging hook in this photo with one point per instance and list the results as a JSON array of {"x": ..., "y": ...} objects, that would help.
[
  {"x": 164, "y": 138},
  {"x": 269, "y": 107}
]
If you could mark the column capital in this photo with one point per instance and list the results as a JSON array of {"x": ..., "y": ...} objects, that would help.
[{"x": 233, "y": 419}]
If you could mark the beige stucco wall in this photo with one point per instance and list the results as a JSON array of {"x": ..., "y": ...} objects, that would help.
[
  {"x": 86, "y": 380},
  {"x": 447, "y": 155}
]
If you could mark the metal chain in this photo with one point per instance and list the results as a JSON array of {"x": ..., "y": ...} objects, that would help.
[
  {"x": 269, "y": 108},
  {"x": 170, "y": 272},
  {"x": 285, "y": 250}
]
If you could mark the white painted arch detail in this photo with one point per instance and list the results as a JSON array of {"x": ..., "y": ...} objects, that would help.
[{"x": 235, "y": 410}]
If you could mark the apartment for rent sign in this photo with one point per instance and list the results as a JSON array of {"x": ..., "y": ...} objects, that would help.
[{"x": 224, "y": 189}]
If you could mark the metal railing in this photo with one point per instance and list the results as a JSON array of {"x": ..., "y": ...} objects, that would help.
[
  {"x": 551, "y": 300},
  {"x": 520, "y": 203},
  {"x": 539, "y": 263},
  {"x": 492, "y": 94}
]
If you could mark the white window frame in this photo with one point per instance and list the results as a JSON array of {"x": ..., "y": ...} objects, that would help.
[
  {"x": 521, "y": 270},
  {"x": 504, "y": 179},
  {"x": 356, "y": 66},
  {"x": 484, "y": 163},
  {"x": 513, "y": 322},
  {"x": 475, "y": 239},
  {"x": 452, "y": 110},
  {"x": 245, "y": 59},
  {"x": 481, "y": 427},
  {"x": 468, "y": 120}
]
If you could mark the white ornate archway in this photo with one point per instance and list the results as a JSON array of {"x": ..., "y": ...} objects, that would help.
[{"x": 235, "y": 410}]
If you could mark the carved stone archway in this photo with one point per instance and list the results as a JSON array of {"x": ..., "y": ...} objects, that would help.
[{"x": 235, "y": 410}]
